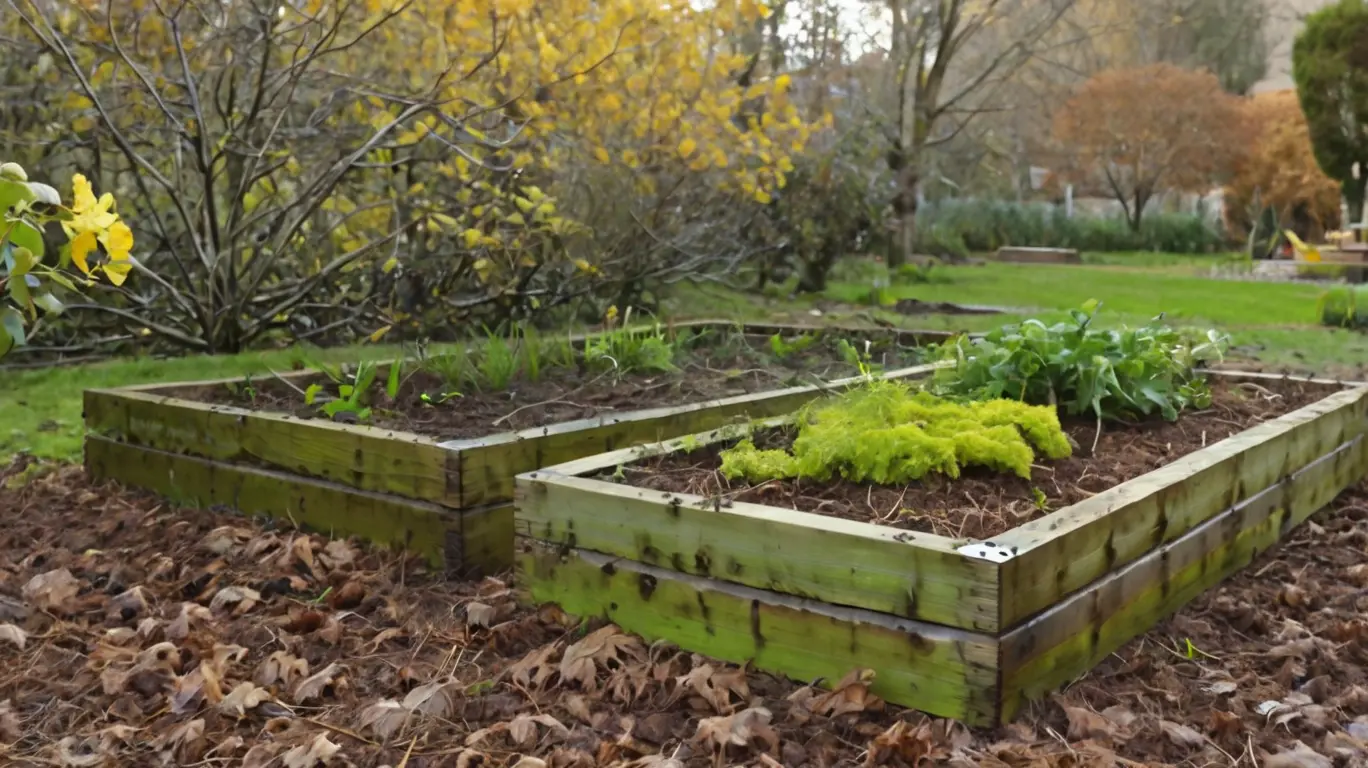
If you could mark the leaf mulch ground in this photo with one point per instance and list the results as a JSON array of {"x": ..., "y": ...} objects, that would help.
[{"x": 135, "y": 634}]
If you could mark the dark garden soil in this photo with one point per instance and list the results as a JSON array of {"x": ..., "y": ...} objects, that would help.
[
  {"x": 981, "y": 503},
  {"x": 717, "y": 368},
  {"x": 136, "y": 634}
]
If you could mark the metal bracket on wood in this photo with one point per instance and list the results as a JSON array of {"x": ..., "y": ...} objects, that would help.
[{"x": 986, "y": 550}]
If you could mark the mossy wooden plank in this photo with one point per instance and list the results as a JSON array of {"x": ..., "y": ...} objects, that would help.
[
  {"x": 360, "y": 456},
  {"x": 1068, "y": 549},
  {"x": 943, "y": 671},
  {"x": 487, "y": 538},
  {"x": 418, "y": 526},
  {"x": 842, "y": 562},
  {"x": 1077, "y": 633},
  {"x": 489, "y": 464}
]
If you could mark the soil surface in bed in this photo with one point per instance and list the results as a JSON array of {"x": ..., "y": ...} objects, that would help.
[
  {"x": 981, "y": 503},
  {"x": 709, "y": 368}
]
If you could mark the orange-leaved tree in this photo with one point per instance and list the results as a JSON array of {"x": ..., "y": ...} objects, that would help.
[
  {"x": 1278, "y": 180},
  {"x": 1144, "y": 131}
]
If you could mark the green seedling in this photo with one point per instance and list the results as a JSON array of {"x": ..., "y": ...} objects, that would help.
[{"x": 784, "y": 349}]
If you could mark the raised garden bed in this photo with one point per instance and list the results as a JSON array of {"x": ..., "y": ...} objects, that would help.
[
  {"x": 430, "y": 470},
  {"x": 966, "y": 598}
]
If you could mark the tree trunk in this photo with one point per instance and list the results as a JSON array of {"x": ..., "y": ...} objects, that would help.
[
  {"x": 1353, "y": 199},
  {"x": 905, "y": 209}
]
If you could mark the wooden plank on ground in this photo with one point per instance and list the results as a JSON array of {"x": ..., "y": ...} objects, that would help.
[
  {"x": 364, "y": 457},
  {"x": 1068, "y": 549},
  {"x": 843, "y": 562},
  {"x": 329, "y": 508},
  {"x": 943, "y": 671},
  {"x": 1074, "y": 635}
]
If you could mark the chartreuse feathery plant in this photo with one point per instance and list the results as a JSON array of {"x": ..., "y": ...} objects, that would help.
[{"x": 886, "y": 432}]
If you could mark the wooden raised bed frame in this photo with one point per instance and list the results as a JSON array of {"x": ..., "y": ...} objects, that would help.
[
  {"x": 451, "y": 501},
  {"x": 969, "y": 630}
]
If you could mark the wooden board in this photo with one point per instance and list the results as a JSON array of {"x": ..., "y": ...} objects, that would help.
[
  {"x": 477, "y": 542},
  {"x": 1038, "y": 255},
  {"x": 363, "y": 457},
  {"x": 842, "y": 562},
  {"x": 488, "y": 465},
  {"x": 1075, "y": 634},
  {"x": 946, "y": 672},
  {"x": 1070, "y": 548}
]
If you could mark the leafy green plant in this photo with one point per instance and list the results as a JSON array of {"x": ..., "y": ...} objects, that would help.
[
  {"x": 908, "y": 274},
  {"x": 1112, "y": 374},
  {"x": 1339, "y": 306},
  {"x": 352, "y": 397},
  {"x": 784, "y": 348},
  {"x": 394, "y": 379},
  {"x": 628, "y": 350},
  {"x": 498, "y": 361},
  {"x": 888, "y": 433}
]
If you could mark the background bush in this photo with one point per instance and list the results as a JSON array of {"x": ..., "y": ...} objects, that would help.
[{"x": 957, "y": 227}]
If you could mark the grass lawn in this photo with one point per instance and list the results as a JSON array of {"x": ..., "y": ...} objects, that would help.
[
  {"x": 40, "y": 410},
  {"x": 1274, "y": 323}
]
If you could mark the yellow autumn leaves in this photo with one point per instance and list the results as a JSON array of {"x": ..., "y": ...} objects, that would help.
[{"x": 93, "y": 222}]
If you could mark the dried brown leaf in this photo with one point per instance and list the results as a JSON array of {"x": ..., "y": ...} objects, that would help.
[
  {"x": 529, "y": 762},
  {"x": 433, "y": 699},
  {"x": 1182, "y": 735},
  {"x": 184, "y": 742},
  {"x": 13, "y": 635},
  {"x": 581, "y": 660},
  {"x": 337, "y": 554},
  {"x": 523, "y": 728},
  {"x": 225, "y": 539},
  {"x": 851, "y": 694},
  {"x": 1300, "y": 756},
  {"x": 384, "y": 718},
  {"x": 281, "y": 667},
  {"x": 77, "y": 753},
  {"x": 242, "y": 698},
  {"x": 535, "y": 669},
  {"x": 739, "y": 729},
  {"x": 480, "y": 615},
  {"x": 9, "y": 723},
  {"x": 52, "y": 591},
  {"x": 1087, "y": 724},
  {"x": 317, "y": 752},
  {"x": 311, "y": 688},
  {"x": 238, "y": 600},
  {"x": 127, "y": 605}
]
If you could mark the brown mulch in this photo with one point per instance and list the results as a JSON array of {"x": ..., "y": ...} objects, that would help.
[
  {"x": 717, "y": 367},
  {"x": 133, "y": 633},
  {"x": 981, "y": 503}
]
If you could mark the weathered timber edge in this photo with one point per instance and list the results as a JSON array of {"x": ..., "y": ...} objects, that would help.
[
  {"x": 488, "y": 465},
  {"x": 841, "y": 562},
  {"x": 360, "y": 456},
  {"x": 1064, "y": 551},
  {"x": 473, "y": 542},
  {"x": 1075, "y": 634},
  {"x": 947, "y": 672}
]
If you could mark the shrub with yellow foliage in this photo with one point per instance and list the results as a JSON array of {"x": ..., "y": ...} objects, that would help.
[
  {"x": 28, "y": 279},
  {"x": 318, "y": 169}
]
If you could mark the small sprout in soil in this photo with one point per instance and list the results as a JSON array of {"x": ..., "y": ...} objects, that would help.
[{"x": 1042, "y": 502}]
